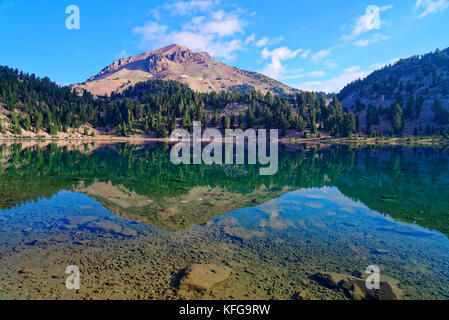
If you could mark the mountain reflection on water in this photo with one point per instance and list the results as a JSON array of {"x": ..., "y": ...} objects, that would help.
[
  {"x": 139, "y": 182},
  {"x": 132, "y": 221}
]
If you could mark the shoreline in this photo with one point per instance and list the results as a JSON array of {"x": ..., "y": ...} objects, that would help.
[{"x": 142, "y": 139}]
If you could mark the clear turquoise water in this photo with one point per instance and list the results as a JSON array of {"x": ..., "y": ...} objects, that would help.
[{"x": 334, "y": 209}]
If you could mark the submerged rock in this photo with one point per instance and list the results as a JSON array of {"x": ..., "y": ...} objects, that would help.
[
  {"x": 128, "y": 232},
  {"x": 356, "y": 288},
  {"x": 240, "y": 233},
  {"x": 105, "y": 226},
  {"x": 74, "y": 222},
  {"x": 201, "y": 277}
]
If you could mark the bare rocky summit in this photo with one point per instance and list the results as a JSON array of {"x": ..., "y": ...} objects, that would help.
[{"x": 199, "y": 70}]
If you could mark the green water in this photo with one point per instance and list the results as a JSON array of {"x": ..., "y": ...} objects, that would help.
[{"x": 328, "y": 209}]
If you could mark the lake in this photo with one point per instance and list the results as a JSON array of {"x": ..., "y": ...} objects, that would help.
[{"x": 132, "y": 221}]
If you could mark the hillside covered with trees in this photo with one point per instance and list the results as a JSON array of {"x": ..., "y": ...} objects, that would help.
[
  {"x": 410, "y": 97},
  {"x": 31, "y": 106}
]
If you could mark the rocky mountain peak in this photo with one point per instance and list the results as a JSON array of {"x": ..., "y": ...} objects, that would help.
[{"x": 199, "y": 70}]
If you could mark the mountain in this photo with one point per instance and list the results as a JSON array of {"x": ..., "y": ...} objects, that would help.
[
  {"x": 35, "y": 107},
  {"x": 197, "y": 69},
  {"x": 409, "y": 97}
]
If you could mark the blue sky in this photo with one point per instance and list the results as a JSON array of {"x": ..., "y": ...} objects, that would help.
[{"x": 313, "y": 45}]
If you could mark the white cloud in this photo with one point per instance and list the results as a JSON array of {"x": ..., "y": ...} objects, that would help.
[
  {"x": 187, "y": 7},
  {"x": 262, "y": 42},
  {"x": 352, "y": 69},
  {"x": 394, "y": 61},
  {"x": 337, "y": 83},
  {"x": 293, "y": 76},
  {"x": 347, "y": 76},
  {"x": 320, "y": 55},
  {"x": 363, "y": 43},
  {"x": 321, "y": 58},
  {"x": 151, "y": 31},
  {"x": 430, "y": 6},
  {"x": 265, "y": 41},
  {"x": 250, "y": 39},
  {"x": 376, "y": 38},
  {"x": 369, "y": 21},
  {"x": 317, "y": 74},
  {"x": 214, "y": 34},
  {"x": 122, "y": 54},
  {"x": 306, "y": 53},
  {"x": 201, "y": 25},
  {"x": 222, "y": 24},
  {"x": 330, "y": 64},
  {"x": 276, "y": 69},
  {"x": 377, "y": 66}
]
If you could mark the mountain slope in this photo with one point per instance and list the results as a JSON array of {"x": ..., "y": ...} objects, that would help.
[
  {"x": 31, "y": 107},
  {"x": 197, "y": 69},
  {"x": 419, "y": 85}
]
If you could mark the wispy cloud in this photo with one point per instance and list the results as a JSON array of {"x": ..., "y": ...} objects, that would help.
[
  {"x": 430, "y": 6},
  {"x": 276, "y": 69},
  {"x": 317, "y": 74},
  {"x": 262, "y": 42},
  {"x": 121, "y": 54},
  {"x": 250, "y": 39},
  {"x": 306, "y": 53},
  {"x": 320, "y": 55},
  {"x": 376, "y": 38},
  {"x": 347, "y": 75},
  {"x": 207, "y": 25},
  {"x": 265, "y": 41},
  {"x": 377, "y": 66},
  {"x": 217, "y": 33},
  {"x": 337, "y": 83},
  {"x": 322, "y": 58},
  {"x": 371, "y": 20},
  {"x": 188, "y": 7}
]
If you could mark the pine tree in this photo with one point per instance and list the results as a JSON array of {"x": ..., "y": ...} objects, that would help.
[
  {"x": 216, "y": 120},
  {"x": 349, "y": 126},
  {"x": 226, "y": 122},
  {"x": 250, "y": 118},
  {"x": 241, "y": 120},
  {"x": 256, "y": 110},
  {"x": 268, "y": 117},
  {"x": 284, "y": 123},
  {"x": 27, "y": 123},
  {"x": 54, "y": 130},
  {"x": 397, "y": 120},
  {"x": 233, "y": 120},
  {"x": 38, "y": 122},
  {"x": 299, "y": 123}
]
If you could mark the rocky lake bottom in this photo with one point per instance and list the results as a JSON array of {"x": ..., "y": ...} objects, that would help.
[
  {"x": 273, "y": 251},
  {"x": 308, "y": 243}
]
